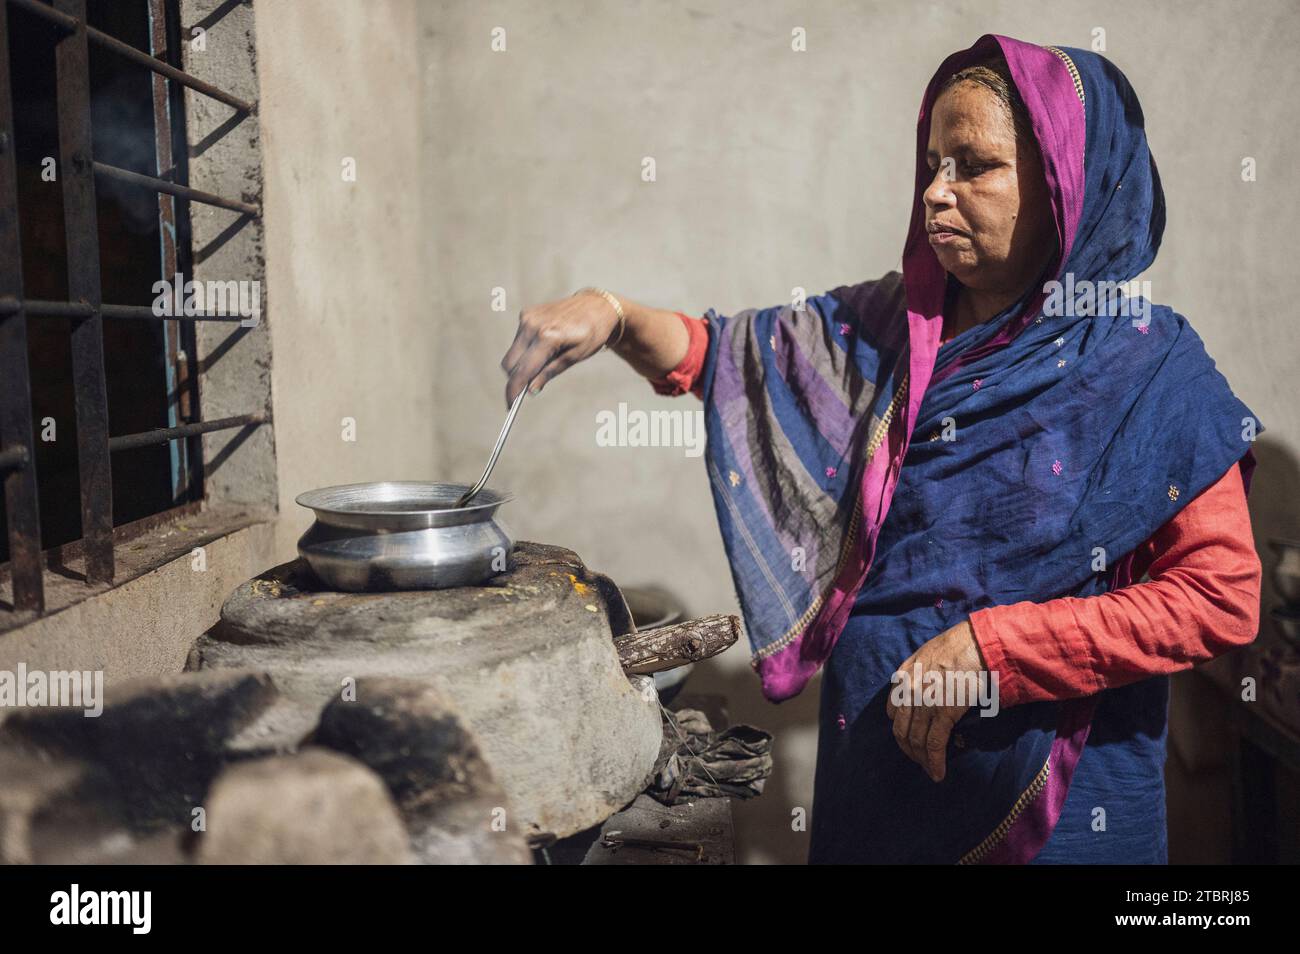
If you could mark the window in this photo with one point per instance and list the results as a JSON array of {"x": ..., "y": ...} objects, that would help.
[{"x": 94, "y": 212}]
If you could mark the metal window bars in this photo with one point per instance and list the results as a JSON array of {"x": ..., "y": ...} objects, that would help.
[{"x": 85, "y": 308}]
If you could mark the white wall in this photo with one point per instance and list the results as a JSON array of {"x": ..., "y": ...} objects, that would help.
[{"x": 348, "y": 308}]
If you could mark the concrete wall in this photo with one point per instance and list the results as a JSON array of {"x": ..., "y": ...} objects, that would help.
[
  {"x": 225, "y": 158},
  {"x": 778, "y": 169},
  {"x": 147, "y": 624},
  {"x": 352, "y": 323}
]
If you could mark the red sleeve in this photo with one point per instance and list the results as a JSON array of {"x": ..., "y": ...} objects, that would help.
[
  {"x": 1202, "y": 600},
  {"x": 686, "y": 376}
]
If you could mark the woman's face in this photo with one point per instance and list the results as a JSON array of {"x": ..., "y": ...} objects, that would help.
[{"x": 987, "y": 211}]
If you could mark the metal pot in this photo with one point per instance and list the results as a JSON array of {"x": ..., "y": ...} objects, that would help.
[{"x": 404, "y": 535}]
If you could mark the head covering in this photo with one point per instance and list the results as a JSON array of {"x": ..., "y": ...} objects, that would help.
[{"x": 1104, "y": 425}]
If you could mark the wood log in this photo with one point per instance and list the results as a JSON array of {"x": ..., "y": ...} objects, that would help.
[{"x": 667, "y": 647}]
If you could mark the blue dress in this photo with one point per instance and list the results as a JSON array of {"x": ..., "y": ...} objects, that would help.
[
  {"x": 868, "y": 793},
  {"x": 867, "y": 790}
]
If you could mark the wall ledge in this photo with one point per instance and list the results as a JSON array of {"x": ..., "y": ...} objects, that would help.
[{"x": 171, "y": 582}]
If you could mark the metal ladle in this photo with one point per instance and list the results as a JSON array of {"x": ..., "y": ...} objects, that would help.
[{"x": 469, "y": 495}]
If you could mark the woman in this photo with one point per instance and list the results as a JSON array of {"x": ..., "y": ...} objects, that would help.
[{"x": 966, "y": 469}]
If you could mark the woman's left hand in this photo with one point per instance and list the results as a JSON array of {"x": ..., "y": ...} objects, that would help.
[{"x": 922, "y": 731}]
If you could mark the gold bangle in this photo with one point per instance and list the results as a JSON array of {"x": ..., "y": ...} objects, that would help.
[{"x": 618, "y": 310}]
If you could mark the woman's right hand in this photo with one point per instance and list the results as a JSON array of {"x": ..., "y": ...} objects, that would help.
[{"x": 551, "y": 338}]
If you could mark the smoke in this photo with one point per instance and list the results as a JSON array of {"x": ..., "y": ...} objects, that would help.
[{"x": 121, "y": 116}]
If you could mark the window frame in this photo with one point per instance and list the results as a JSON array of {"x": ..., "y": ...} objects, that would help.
[{"x": 97, "y": 547}]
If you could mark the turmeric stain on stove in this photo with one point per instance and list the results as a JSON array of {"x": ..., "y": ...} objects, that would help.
[{"x": 267, "y": 588}]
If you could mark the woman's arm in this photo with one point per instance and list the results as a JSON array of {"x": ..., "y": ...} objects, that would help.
[
  {"x": 553, "y": 337},
  {"x": 1201, "y": 601}
]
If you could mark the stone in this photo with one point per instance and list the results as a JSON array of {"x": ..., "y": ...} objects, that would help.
[
  {"x": 160, "y": 739},
  {"x": 412, "y": 737},
  {"x": 311, "y": 808},
  {"x": 527, "y": 661},
  {"x": 50, "y": 808}
]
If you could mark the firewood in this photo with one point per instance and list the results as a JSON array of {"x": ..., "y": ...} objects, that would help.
[{"x": 667, "y": 647}]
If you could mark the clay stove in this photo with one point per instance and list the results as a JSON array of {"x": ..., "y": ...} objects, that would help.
[
  {"x": 528, "y": 661},
  {"x": 468, "y": 725}
]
